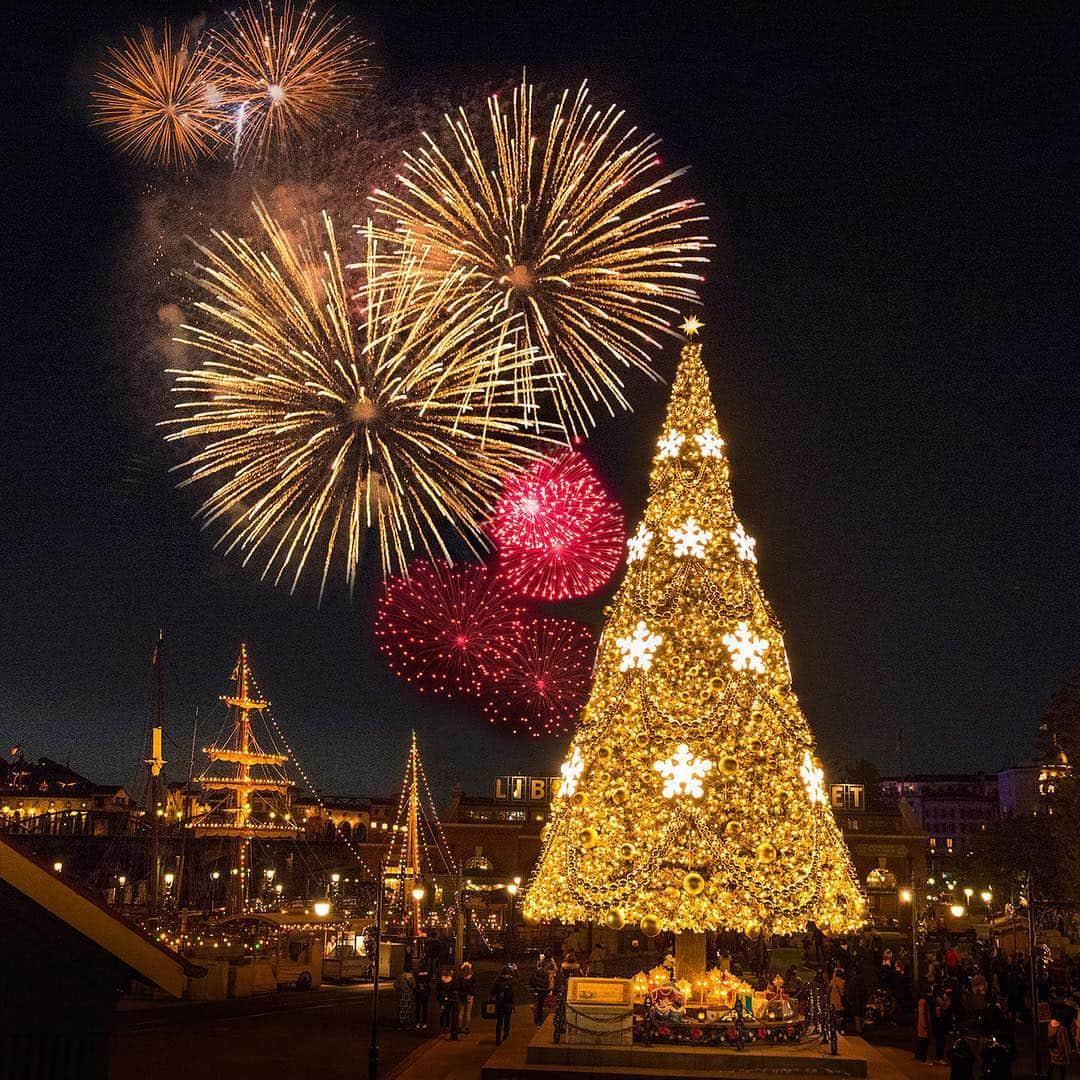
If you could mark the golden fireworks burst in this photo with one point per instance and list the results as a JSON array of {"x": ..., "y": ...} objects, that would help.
[
  {"x": 157, "y": 101},
  {"x": 569, "y": 225},
  {"x": 286, "y": 72},
  {"x": 316, "y": 430}
]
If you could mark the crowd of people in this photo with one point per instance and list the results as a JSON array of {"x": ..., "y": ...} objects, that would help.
[
  {"x": 455, "y": 996},
  {"x": 455, "y": 990},
  {"x": 965, "y": 1013},
  {"x": 968, "y": 1008}
]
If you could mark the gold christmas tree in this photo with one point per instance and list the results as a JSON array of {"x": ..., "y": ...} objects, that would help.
[{"x": 691, "y": 797}]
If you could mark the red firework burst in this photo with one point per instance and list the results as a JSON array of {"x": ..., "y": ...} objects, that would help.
[
  {"x": 538, "y": 679},
  {"x": 559, "y": 534},
  {"x": 439, "y": 627}
]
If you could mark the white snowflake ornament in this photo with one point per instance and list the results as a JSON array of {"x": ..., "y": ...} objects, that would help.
[
  {"x": 683, "y": 773},
  {"x": 744, "y": 544},
  {"x": 813, "y": 778},
  {"x": 638, "y": 543},
  {"x": 710, "y": 444},
  {"x": 670, "y": 445},
  {"x": 571, "y": 770},
  {"x": 690, "y": 539},
  {"x": 745, "y": 648},
  {"x": 637, "y": 650}
]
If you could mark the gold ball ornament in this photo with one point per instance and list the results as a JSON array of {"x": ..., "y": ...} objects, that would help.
[
  {"x": 694, "y": 883},
  {"x": 604, "y": 752},
  {"x": 731, "y": 828},
  {"x": 615, "y": 919},
  {"x": 588, "y": 838},
  {"x": 729, "y": 765},
  {"x": 642, "y": 739},
  {"x": 650, "y": 925},
  {"x": 766, "y": 852},
  {"x": 545, "y": 832},
  {"x": 619, "y": 796},
  {"x": 578, "y": 798},
  {"x": 626, "y": 852}
]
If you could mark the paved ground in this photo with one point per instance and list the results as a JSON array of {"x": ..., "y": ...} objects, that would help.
[
  {"x": 323, "y": 1033},
  {"x": 463, "y": 1060}
]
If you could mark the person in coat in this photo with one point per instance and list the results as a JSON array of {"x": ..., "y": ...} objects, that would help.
[
  {"x": 1057, "y": 1043},
  {"x": 922, "y": 1028},
  {"x": 467, "y": 993},
  {"x": 502, "y": 993},
  {"x": 406, "y": 988},
  {"x": 540, "y": 984},
  {"x": 837, "y": 989},
  {"x": 423, "y": 996},
  {"x": 446, "y": 992}
]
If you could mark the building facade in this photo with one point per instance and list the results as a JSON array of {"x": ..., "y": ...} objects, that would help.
[{"x": 953, "y": 809}]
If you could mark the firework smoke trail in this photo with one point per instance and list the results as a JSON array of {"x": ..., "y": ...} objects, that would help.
[
  {"x": 314, "y": 433},
  {"x": 567, "y": 225},
  {"x": 238, "y": 137}
]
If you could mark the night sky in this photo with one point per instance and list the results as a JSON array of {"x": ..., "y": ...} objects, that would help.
[{"x": 891, "y": 329}]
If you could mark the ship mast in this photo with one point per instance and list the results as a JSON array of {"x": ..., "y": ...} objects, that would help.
[
  {"x": 254, "y": 788},
  {"x": 156, "y": 762},
  {"x": 413, "y": 837},
  {"x": 416, "y": 824}
]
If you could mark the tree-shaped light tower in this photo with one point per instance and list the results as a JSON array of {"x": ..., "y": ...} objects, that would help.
[{"x": 691, "y": 796}]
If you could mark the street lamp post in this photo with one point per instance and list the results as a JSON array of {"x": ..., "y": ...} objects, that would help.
[
  {"x": 511, "y": 892},
  {"x": 373, "y": 1049},
  {"x": 910, "y": 896}
]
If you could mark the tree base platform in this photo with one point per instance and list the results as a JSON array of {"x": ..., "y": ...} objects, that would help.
[{"x": 543, "y": 1058}]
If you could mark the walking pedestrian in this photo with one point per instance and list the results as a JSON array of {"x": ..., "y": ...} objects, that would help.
[
  {"x": 837, "y": 987},
  {"x": 540, "y": 984},
  {"x": 423, "y": 996},
  {"x": 446, "y": 991},
  {"x": 939, "y": 1025},
  {"x": 922, "y": 1028},
  {"x": 502, "y": 993},
  {"x": 1057, "y": 1042},
  {"x": 406, "y": 988},
  {"x": 467, "y": 993}
]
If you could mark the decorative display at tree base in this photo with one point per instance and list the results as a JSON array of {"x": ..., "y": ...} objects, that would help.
[
  {"x": 691, "y": 796},
  {"x": 708, "y": 1028}
]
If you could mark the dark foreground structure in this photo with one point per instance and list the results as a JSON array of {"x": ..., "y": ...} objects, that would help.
[{"x": 67, "y": 958}]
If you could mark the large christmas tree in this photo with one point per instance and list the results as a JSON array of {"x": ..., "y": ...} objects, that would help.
[{"x": 691, "y": 796}]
